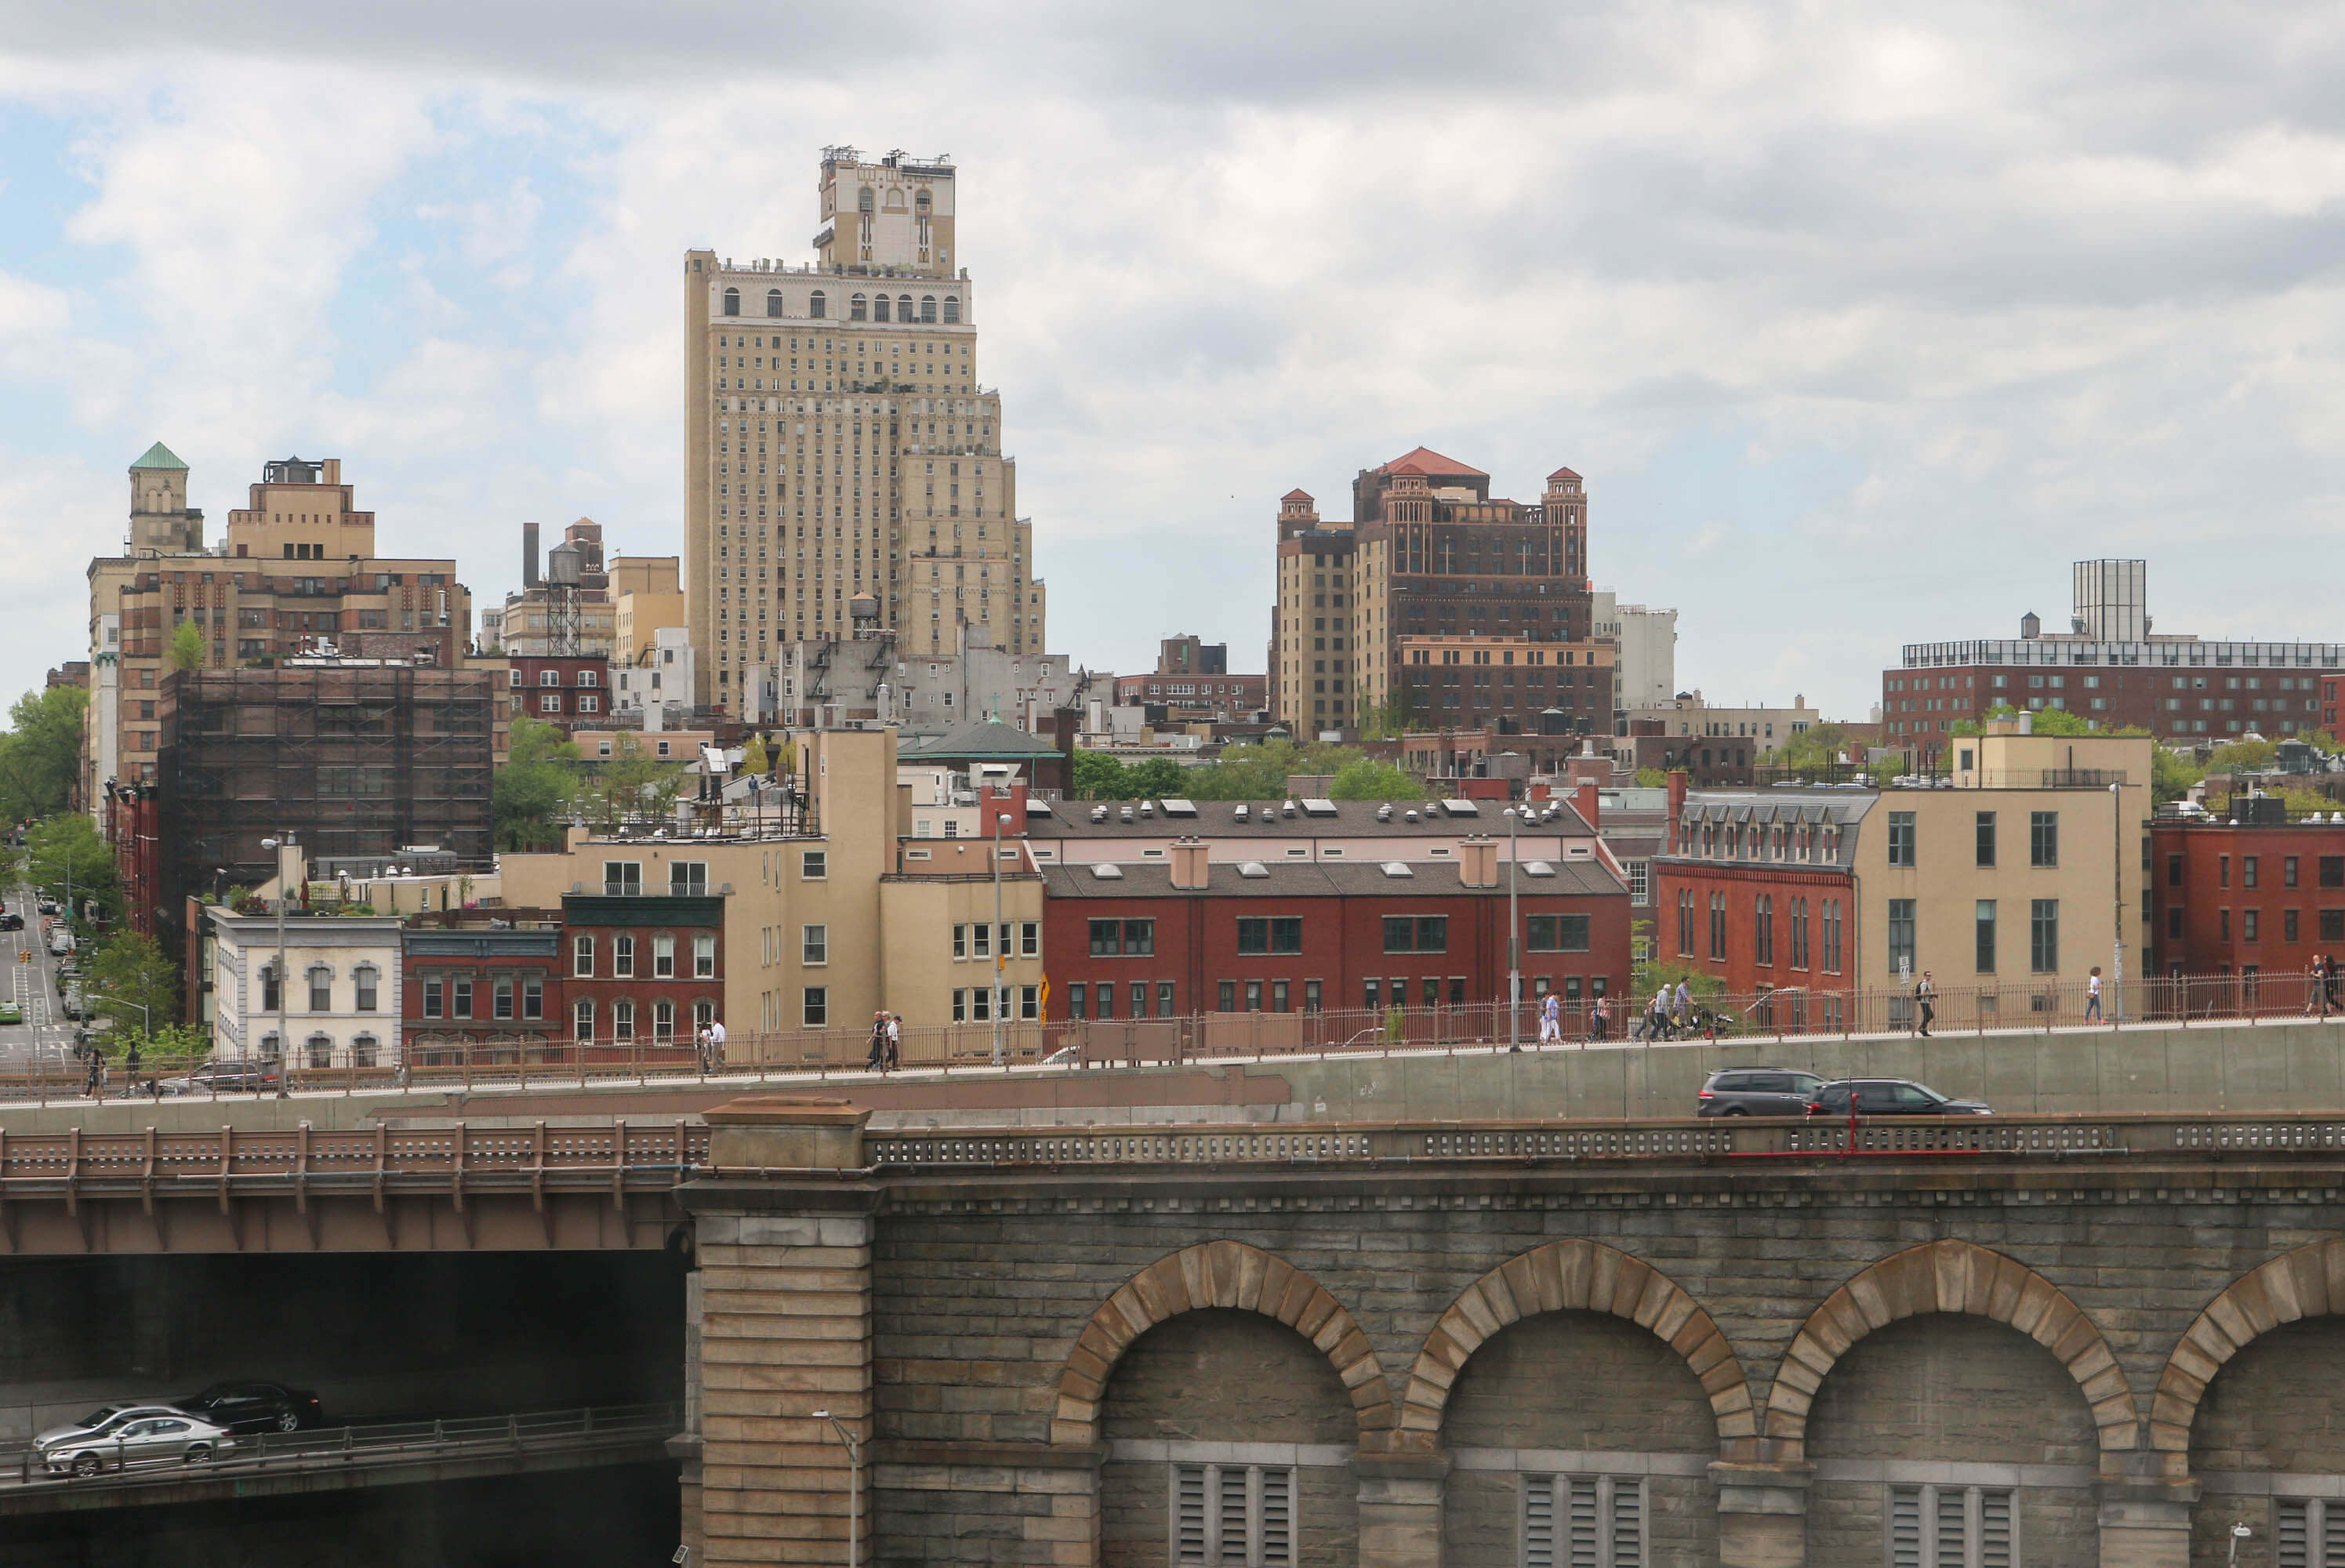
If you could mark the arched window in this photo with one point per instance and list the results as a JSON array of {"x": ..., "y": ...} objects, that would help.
[
  {"x": 855, "y": 308},
  {"x": 321, "y": 988},
  {"x": 952, "y": 309},
  {"x": 582, "y": 1021},
  {"x": 732, "y": 302},
  {"x": 928, "y": 308},
  {"x": 365, "y": 979},
  {"x": 920, "y": 202},
  {"x": 704, "y": 1013},
  {"x": 814, "y": 306},
  {"x": 321, "y": 1050},
  {"x": 269, "y": 1046},
  {"x": 363, "y": 1050},
  {"x": 879, "y": 309},
  {"x": 863, "y": 202},
  {"x": 774, "y": 303}
]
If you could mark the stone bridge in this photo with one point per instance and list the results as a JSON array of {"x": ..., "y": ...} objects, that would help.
[{"x": 2034, "y": 1340}]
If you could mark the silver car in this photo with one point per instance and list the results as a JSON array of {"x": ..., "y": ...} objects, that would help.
[{"x": 121, "y": 1437}]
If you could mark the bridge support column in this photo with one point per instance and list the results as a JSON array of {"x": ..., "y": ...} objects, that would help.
[
  {"x": 785, "y": 1298},
  {"x": 2146, "y": 1524},
  {"x": 1763, "y": 1513},
  {"x": 1400, "y": 1508}
]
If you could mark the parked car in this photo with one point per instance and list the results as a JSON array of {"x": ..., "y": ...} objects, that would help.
[
  {"x": 1757, "y": 1091},
  {"x": 255, "y": 1407},
  {"x": 143, "y": 1437},
  {"x": 75, "y": 1005},
  {"x": 1889, "y": 1096},
  {"x": 61, "y": 942},
  {"x": 47, "y": 905},
  {"x": 224, "y": 1077}
]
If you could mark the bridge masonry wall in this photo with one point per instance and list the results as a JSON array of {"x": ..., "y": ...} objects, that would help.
[{"x": 1005, "y": 1418}]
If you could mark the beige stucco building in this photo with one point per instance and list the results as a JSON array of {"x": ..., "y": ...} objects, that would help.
[
  {"x": 837, "y": 441},
  {"x": 828, "y": 918}
]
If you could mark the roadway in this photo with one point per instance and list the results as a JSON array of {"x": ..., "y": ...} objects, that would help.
[{"x": 45, "y": 1039}]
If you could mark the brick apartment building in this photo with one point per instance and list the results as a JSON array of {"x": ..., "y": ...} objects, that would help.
[
  {"x": 644, "y": 967},
  {"x": 1192, "y": 684},
  {"x": 474, "y": 985},
  {"x": 1193, "y": 935},
  {"x": 2247, "y": 899},
  {"x": 571, "y": 692},
  {"x": 2110, "y": 669}
]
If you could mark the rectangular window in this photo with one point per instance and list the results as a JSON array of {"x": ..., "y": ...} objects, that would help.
[
  {"x": 1583, "y": 1521},
  {"x": 687, "y": 878},
  {"x": 1030, "y": 1002},
  {"x": 2333, "y": 871},
  {"x": 501, "y": 999},
  {"x": 1371, "y": 991},
  {"x": 2286, "y": 871},
  {"x": 1110, "y": 938},
  {"x": 662, "y": 958},
  {"x": 364, "y": 984},
  {"x": 1985, "y": 833},
  {"x": 2044, "y": 935},
  {"x": 1226, "y": 997},
  {"x": 1900, "y": 937},
  {"x": 1556, "y": 933},
  {"x": 960, "y": 942},
  {"x": 2251, "y": 924},
  {"x": 1953, "y": 1527},
  {"x": 1762, "y": 929},
  {"x": 2248, "y": 871},
  {"x": 1030, "y": 939},
  {"x": 1106, "y": 999},
  {"x": 582, "y": 956},
  {"x": 1983, "y": 942},
  {"x": 322, "y": 991},
  {"x": 623, "y": 957},
  {"x": 1685, "y": 922},
  {"x": 813, "y": 943},
  {"x": 1269, "y": 934},
  {"x": 1718, "y": 925},
  {"x": 1232, "y": 1515},
  {"x": 582, "y": 1021},
  {"x": 533, "y": 998},
  {"x": 2174, "y": 871},
  {"x": 815, "y": 1010},
  {"x": 1078, "y": 1000},
  {"x": 2287, "y": 926},
  {"x": 460, "y": 998},
  {"x": 623, "y": 1020},
  {"x": 1310, "y": 996},
  {"x": 434, "y": 1000},
  {"x": 623, "y": 878},
  {"x": 814, "y": 865},
  {"x": 1417, "y": 934},
  {"x": 2043, "y": 838},
  {"x": 1901, "y": 838}
]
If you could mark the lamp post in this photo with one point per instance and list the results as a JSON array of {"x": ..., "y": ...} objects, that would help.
[
  {"x": 284, "y": 979},
  {"x": 1514, "y": 933},
  {"x": 854, "y": 1479},
  {"x": 2116, "y": 887},
  {"x": 1001, "y": 957}
]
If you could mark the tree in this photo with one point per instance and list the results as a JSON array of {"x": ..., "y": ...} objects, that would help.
[
  {"x": 2242, "y": 757},
  {"x": 1366, "y": 778},
  {"x": 40, "y": 754},
  {"x": 2171, "y": 775},
  {"x": 63, "y": 853},
  {"x": 2047, "y": 722},
  {"x": 753, "y": 754},
  {"x": 1154, "y": 778},
  {"x": 633, "y": 782},
  {"x": 1098, "y": 777},
  {"x": 188, "y": 647},
  {"x": 1652, "y": 778},
  {"x": 130, "y": 972},
  {"x": 537, "y": 782}
]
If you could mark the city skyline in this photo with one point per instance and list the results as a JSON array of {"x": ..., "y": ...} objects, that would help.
[{"x": 1859, "y": 333}]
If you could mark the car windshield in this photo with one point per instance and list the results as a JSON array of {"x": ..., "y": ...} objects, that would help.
[
  {"x": 217, "y": 1391},
  {"x": 101, "y": 1415},
  {"x": 1926, "y": 1092}
]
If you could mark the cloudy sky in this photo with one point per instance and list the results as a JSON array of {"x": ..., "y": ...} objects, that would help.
[{"x": 1861, "y": 322}]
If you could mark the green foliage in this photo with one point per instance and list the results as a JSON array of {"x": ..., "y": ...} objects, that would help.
[
  {"x": 754, "y": 759},
  {"x": 2047, "y": 722},
  {"x": 128, "y": 972},
  {"x": 1366, "y": 778},
  {"x": 1657, "y": 972},
  {"x": 40, "y": 754},
  {"x": 2171, "y": 775},
  {"x": 1652, "y": 778},
  {"x": 2242, "y": 757},
  {"x": 1098, "y": 777},
  {"x": 1388, "y": 719},
  {"x": 632, "y": 782},
  {"x": 531, "y": 792},
  {"x": 168, "y": 1048},
  {"x": 188, "y": 647},
  {"x": 65, "y": 851}
]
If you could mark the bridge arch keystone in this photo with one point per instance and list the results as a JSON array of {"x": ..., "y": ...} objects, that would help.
[
  {"x": 2308, "y": 1282},
  {"x": 1574, "y": 1276},
  {"x": 1952, "y": 1276},
  {"x": 1217, "y": 1274}
]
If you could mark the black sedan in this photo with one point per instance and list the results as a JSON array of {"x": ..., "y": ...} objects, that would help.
[
  {"x": 1889, "y": 1096},
  {"x": 11, "y": 921},
  {"x": 255, "y": 1407}
]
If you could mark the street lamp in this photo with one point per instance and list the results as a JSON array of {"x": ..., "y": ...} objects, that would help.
[
  {"x": 1000, "y": 937},
  {"x": 1514, "y": 931},
  {"x": 854, "y": 1477},
  {"x": 284, "y": 978}
]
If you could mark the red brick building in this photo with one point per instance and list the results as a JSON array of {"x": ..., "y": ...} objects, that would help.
[
  {"x": 643, "y": 968},
  {"x": 478, "y": 986},
  {"x": 1185, "y": 936},
  {"x": 574, "y": 692},
  {"x": 2247, "y": 901}
]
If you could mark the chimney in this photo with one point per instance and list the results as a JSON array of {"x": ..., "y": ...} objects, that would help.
[
  {"x": 1677, "y": 804},
  {"x": 1188, "y": 863},
  {"x": 1477, "y": 863},
  {"x": 1584, "y": 800},
  {"x": 529, "y": 555}
]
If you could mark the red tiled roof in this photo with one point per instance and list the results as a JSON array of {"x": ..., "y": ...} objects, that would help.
[
  {"x": 1430, "y": 463},
  {"x": 1560, "y": 474},
  {"x": 1296, "y": 495}
]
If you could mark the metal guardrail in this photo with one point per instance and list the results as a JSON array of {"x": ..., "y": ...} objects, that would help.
[{"x": 376, "y": 1444}]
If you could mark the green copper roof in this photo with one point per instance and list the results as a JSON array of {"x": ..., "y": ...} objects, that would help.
[{"x": 160, "y": 456}]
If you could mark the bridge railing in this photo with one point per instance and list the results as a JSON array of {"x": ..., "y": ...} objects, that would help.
[
  {"x": 369, "y": 1443},
  {"x": 1722, "y": 1138},
  {"x": 617, "y": 1150}
]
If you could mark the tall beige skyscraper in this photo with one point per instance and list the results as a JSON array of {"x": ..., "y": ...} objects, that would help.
[{"x": 838, "y": 445}]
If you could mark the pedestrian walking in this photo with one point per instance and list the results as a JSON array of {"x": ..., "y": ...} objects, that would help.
[
  {"x": 1599, "y": 1018},
  {"x": 895, "y": 1041},
  {"x": 2093, "y": 995},
  {"x": 1684, "y": 1014},
  {"x": 715, "y": 1044},
  {"x": 878, "y": 1061},
  {"x": 700, "y": 1050},
  {"x": 1550, "y": 1019},
  {"x": 1925, "y": 1006}
]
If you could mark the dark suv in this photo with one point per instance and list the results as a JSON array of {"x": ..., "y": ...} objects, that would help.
[
  {"x": 1757, "y": 1091},
  {"x": 1891, "y": 1096}
]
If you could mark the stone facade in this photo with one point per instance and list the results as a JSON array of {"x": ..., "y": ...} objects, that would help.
[{"x": 1760, "y": 1355}]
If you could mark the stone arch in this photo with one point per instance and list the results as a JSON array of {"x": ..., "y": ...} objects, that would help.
[
  {"x": 1574, "y": 1276},
  {"x": 1950, "y": 1276},
  {"x": 2309, "y": 1282},
  {"x": 1216, "y": 1274}
]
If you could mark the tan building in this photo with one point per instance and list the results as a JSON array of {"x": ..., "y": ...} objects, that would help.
[
  {"x": 297, "y": 570},
  {"x": 647, "y": 591},
  {"x": 827, "y": 916},
  {"x": 837, "y": 441}
]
